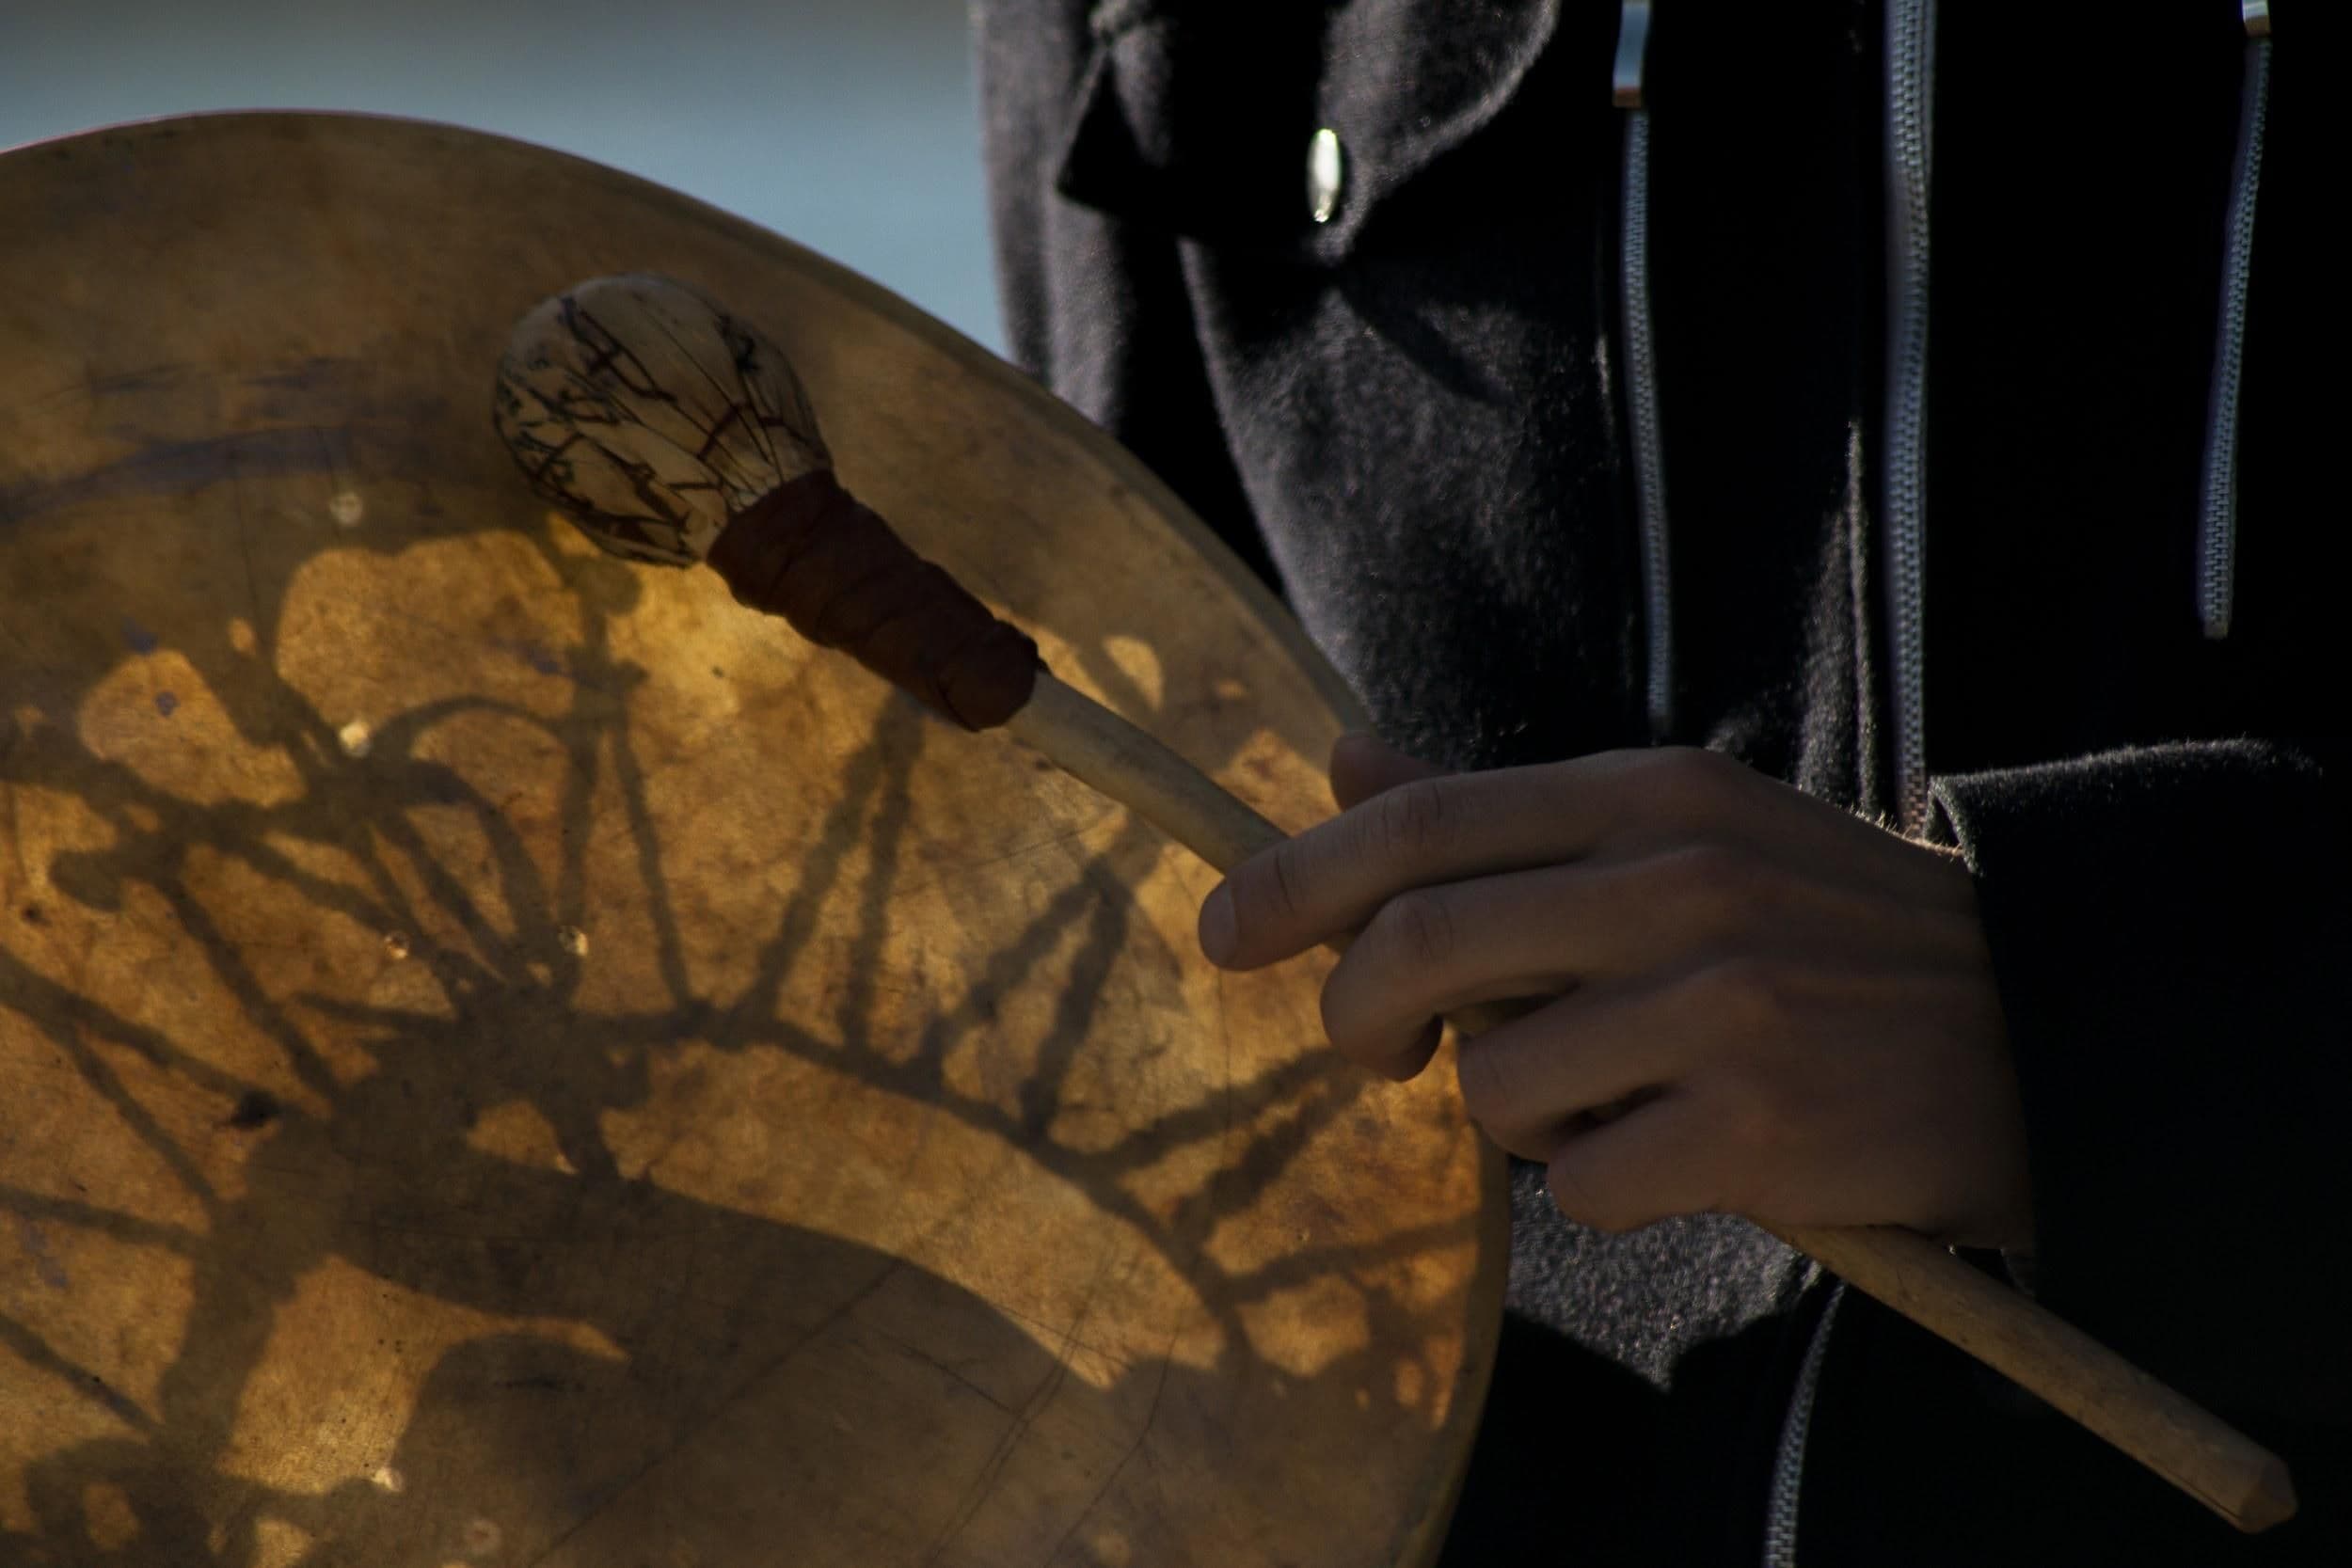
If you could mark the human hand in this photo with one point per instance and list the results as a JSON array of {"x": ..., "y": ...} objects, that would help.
[{"x": 1797, "y": 1007}]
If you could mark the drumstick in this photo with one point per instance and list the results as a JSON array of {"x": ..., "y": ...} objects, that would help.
[{"x": 672, "y": 432}]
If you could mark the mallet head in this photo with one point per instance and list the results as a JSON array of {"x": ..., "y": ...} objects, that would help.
[{"x": 651, "y": 415}]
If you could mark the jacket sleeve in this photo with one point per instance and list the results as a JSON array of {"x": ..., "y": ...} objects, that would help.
[
  {"x": 1095, "y": 304},
  {"x": 2172, "y": 932}
]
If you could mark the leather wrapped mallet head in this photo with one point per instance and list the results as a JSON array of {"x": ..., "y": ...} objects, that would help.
[{"x": 673, "y": 432}]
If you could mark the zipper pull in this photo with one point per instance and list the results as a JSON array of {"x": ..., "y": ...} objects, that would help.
[
  {"x": 1634, "y": 49},
  {"x": 2256, "y": 13}
]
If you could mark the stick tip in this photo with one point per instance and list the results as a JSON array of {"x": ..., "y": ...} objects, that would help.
[{"x": 2269, "y": 1500}]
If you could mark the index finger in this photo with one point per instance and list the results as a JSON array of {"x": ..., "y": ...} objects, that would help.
[{"x": 1330, "y": 880}]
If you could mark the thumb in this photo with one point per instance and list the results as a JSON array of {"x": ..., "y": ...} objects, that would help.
[{"x": 1364, "y": 766}]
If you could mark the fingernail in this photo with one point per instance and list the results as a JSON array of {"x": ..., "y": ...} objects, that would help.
[{"x": 1218, "y": 934}]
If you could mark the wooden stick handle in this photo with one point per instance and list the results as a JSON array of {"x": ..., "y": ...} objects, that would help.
[
  {"x": 2040, "y": 1351},
  {"x": 1097, "y": 747},
  {"x": 2008, "y": 1331}
]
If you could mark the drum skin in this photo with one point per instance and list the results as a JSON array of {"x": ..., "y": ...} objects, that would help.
[{"x": 509, "y": 1058}]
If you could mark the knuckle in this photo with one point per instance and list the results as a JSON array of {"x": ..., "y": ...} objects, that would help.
[
  {"x": 1415, "y": 929},
  {"x": 1414, "y": 820},
  {"x": 1269, "y": 894}
]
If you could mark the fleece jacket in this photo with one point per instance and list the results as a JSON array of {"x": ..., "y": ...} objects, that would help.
[{"x": 1411, "y": 415}]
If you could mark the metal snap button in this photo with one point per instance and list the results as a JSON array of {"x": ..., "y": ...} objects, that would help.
[{"x": 1327, "y": 172}]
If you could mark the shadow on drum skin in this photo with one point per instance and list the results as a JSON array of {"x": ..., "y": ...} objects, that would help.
[
  {"x": 377, "y": 1174},
  {"x": 519, "y": 1447},
  {"x": 513, "y": 1432},
  {"x": 515, "y": 1442}
]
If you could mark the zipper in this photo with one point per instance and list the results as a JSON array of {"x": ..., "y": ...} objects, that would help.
[
  {"x": 2217, "y": 534},
  {"x": 1780, "y": 1519},
  {"x": 1649, "y": 461},
  {"x": 1910, "y": 78},
  {"x": 1910, "y": 83}
]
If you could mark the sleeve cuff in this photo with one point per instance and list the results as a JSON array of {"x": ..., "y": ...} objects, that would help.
[{"x": 2169, "y": 933}]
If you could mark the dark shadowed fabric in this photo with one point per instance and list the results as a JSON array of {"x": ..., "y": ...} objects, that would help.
[{"x": 1410, "y": 418}]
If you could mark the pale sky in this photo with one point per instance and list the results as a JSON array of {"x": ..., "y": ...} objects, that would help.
[{"x": 849, "y": 125}]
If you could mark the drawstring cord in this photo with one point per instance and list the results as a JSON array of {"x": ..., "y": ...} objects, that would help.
[
  {"x": 2217, "y": 536},
  {"x": 1649, "y": 462}
]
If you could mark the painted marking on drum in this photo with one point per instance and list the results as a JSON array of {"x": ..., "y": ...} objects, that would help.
[
  {"x": 139, "y": 638},
  {"x": 176, "y": 468},
  {"x": 1143, "y": 1434},
  {"x": 355, "y": 738},
  {"x": 93, "y": 387},
  {"x": 347, "y": 509},
  {"x": 1108, "y": 1262},
  {"x": 309, "y": 376},
  {"x": 1047, "y": 1330},
  {"x": 917, "y": 1352}
]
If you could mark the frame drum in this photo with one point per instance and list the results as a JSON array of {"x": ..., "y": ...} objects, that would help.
[{"x": 509, "y": 1058}]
